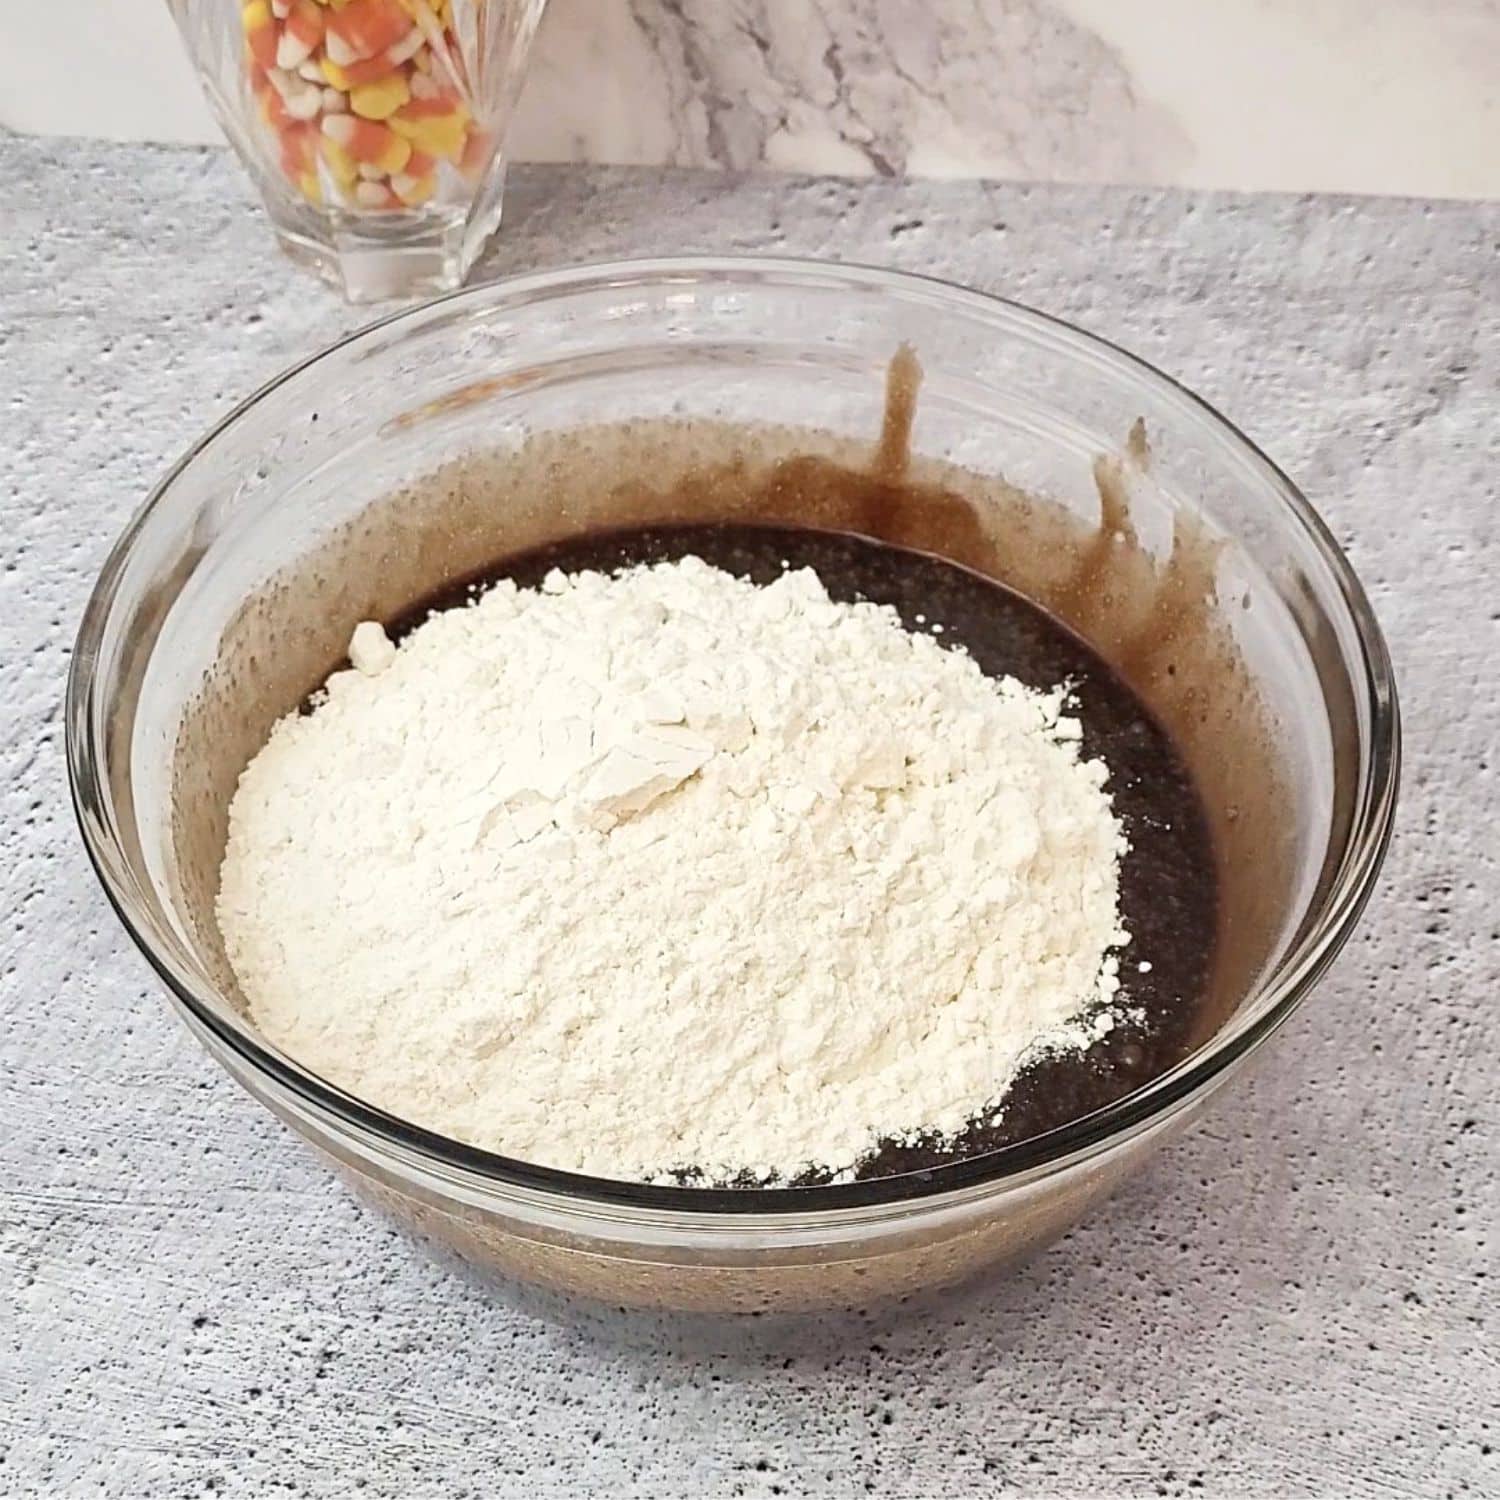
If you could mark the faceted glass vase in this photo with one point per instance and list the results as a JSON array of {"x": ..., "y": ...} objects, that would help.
[{"x": 374, "y": 130}]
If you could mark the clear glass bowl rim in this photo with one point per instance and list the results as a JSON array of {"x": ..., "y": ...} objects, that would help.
[{"x": 1323, "y": 933}]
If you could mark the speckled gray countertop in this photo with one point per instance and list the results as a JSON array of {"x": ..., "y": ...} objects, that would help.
[{"x": 1292, "y": 1300}]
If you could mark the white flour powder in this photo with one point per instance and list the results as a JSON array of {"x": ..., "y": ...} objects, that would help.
[{"x": 664, "y": 870}]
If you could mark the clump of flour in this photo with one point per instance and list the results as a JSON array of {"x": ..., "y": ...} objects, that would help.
[{"x": 659, "y": 871}]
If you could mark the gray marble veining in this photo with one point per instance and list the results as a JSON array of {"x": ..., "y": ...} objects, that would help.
[
  {"x": 856, "y": 87},
  {"x": 1243, "y": 93},
  {"x": 1377, "y": 96}
]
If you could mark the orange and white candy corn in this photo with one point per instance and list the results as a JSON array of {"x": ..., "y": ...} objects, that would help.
[
  {"x": 299, "y": 160},
  {"x": 363, "y": 97},
  {"x": 413, "y": 190},
  {"x": 476, "y": 155},
  {"x": 367, "y": 70},
  {"x": 436, "y": 126},
  {"x": 406, "y": 49},
  {"x": 364, "y": 27},
  {"x": 417, "y": 183},
  {"x": 368, "y": 141},
  {"x": 375, "y": 195},
  {"x": 301, "y": 32},
  {"x": 341, "y": 166},
  {"x": 272, "y": 110},
  {"x": 260, "y": 33},
  {"x": 380, "y": 100},
  {"x": 301, "y": 99}
]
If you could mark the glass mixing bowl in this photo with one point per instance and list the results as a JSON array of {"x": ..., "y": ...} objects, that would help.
[{"x": 438, "y": 439}]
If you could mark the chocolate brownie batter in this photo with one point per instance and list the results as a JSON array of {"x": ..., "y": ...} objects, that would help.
[{"x": 1168, "y": 886}]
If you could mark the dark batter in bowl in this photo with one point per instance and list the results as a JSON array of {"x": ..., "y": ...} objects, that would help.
[{"x": 1168, "y": 884}]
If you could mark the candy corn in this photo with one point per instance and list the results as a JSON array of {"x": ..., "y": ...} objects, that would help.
[
  {"x": 364, "y": 27},
  {"x": 436, "y": 126},
  {"x": 368, "y": 141},
  {"x": 363, "y": 99},
  {"x": 341, "y": 166},
  {"x": 375, "y": 195},
  {"x": 370, "y": 70},
  {"x": 260, "y": 32},
  {"x": 378, "y": 101},
  {"x": 300, "y": 33}
]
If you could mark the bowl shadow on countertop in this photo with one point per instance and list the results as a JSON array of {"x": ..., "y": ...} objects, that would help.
[{"x": 1157, "y": 1232}]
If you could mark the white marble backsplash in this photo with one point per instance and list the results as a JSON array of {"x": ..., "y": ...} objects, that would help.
[
  {"x": 1008, "y": 88},
  {"x": 1382, "y": 96},
  {"x": 1392, "y": 96}
]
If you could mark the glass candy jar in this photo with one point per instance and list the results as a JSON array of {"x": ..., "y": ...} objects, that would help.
[{"x": 373, "y": 129}]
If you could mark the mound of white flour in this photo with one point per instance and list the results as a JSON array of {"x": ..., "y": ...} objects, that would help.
[{"x": 665, "y": 870}]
